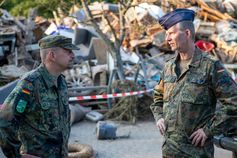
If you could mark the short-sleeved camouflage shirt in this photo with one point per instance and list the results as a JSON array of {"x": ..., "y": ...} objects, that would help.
[
  {"x": 188, "y": 102},
  {"x": 39, "y": 108}
]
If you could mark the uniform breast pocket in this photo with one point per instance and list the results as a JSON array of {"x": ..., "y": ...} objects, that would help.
[
  {"x": 168, "y": 87},
  {"x": 50, "y": 113},
  {"x": 195, "y": 91}
]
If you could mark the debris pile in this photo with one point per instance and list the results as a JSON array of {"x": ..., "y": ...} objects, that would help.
[{"x": 113, "y": 31}]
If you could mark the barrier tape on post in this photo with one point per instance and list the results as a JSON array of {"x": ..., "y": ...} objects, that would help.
[{"x": 106, "y": 96}]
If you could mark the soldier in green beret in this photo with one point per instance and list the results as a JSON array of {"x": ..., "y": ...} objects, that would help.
[
  {"x": 35, "y": 117},
  {"x": 185, "y": 98}
]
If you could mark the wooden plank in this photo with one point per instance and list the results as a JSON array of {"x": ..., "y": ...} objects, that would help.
[
  {"x": 206, "y": 16},
  {"x": 134, "y": 43},
  {"x": 151, "y": 30}
]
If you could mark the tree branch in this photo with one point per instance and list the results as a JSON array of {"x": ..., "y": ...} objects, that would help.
[
  {"x": 111, "y": 28},
  {"x": 122, "y": 19},
  {"x": 103, "y": 36}
]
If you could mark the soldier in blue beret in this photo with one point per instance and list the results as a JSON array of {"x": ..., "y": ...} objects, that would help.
[
  {"x": 35, "y": 117},
  {"x": 176, "y": 16},
  {"x": 185, "y": 98}
]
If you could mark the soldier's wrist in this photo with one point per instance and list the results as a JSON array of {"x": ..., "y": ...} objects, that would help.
[
  {"x": 158, "y": 118},
  {"x": 208, "y": 132}
]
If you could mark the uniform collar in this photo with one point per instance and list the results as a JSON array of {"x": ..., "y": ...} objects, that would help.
[
  {"x": 47, "y": 77},
  {"x": 196, "y": 59}
]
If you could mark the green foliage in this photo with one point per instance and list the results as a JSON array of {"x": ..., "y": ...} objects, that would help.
[
  {"x": 45, "y": 7},
  {"x": 22, "y": 8},
  {"x": 108, "y": 1}
]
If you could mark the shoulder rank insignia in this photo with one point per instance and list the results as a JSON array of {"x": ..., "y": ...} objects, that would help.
[
  {"x": 221, "y": 70},
  {"x": 26, "y": 91},
  {"x": 21, "y": 105}
]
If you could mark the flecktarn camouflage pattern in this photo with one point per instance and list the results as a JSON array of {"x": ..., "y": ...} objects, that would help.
[
  {"x": 188, "y": 102},
  {"x": 38, "y": 113},
  {"x": 57, "y": 41}
]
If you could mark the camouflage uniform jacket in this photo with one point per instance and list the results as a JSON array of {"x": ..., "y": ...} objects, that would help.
[
  {"x": 188, "y": 102},
  {"x": 36, "y": 111}
]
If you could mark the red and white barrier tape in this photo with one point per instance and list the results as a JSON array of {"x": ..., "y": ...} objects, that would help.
[{"x": 105, "y": 96}]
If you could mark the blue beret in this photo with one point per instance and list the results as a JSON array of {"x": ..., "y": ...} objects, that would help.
[{"x": 176, "y": 16}]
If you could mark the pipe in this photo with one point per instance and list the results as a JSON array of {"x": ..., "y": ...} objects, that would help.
[{"x": 228, "y": 143}]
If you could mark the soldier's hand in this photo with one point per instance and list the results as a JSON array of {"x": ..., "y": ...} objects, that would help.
[
  {"x": 161, "y": 125},
  {"x": 198, "y": 136}
]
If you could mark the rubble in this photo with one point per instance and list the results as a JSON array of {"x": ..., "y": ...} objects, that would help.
[
  {"x": 10, "y": 73},
  {"x": 139, "y": 40},
  {"x": 80, "y": 150}
]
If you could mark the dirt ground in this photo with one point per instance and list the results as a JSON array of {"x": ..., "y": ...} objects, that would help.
[{"x": 144, "y": 142}]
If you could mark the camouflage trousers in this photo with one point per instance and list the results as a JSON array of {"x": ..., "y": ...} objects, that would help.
[{"x": 171, "y": 149}]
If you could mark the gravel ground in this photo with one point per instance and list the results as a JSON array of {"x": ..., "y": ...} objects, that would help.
[{"x": 144, "y": 142}]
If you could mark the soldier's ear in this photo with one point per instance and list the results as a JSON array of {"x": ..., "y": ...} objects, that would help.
[
  {"x": 188, "y": 33},
  {"x": 51, "y": 55}
]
